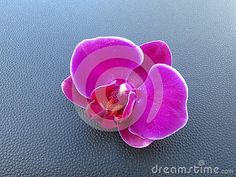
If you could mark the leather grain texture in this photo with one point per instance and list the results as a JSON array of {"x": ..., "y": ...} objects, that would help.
[{"x": 41, "y": 134}]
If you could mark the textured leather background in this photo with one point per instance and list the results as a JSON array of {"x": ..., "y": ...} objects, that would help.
[{"x": 40, "y": 132}]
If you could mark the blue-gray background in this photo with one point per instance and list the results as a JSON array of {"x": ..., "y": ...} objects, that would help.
[{"x": 40, "y": 131}]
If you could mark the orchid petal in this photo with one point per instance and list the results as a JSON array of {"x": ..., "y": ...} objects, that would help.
[
  {"x": 157, "y": 52},
  {"x": 164, "y": 96},
  {"x": 101, "y": 94},
  {"x": 69, "y": 90},
  {"x": 124, "y": 121},
  {"x": 154, "y": 52},
  {"x": 94, "y": 109},
  {"x": 129, "y": 106},
  {"x": 99, "y": 61},
  {"x": 134, "y": 140},
  {"x": 97, "y": 113}
]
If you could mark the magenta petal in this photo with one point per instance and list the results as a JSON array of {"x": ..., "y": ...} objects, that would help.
[
  {"x": 124, "y": 121},
  {"x": 94, "y": 109},
  {"x": 97, "y": 113},
  {"x": 129, "y": 106},
  {"x": 164, "y": 96},
  {"x": 134, "y": 140},
  {"x": 157, "y": 52},
  {"x": 154, "y": 52},
  {"x": 101, "y": 94},
  {"x": 99, "y": 61},
  {"x": 72, "y": 94}
]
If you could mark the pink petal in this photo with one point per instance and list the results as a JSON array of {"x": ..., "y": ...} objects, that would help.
[
  {"x": 157, "y": 52},
  {"x": 129, "y": 106},
  {"x": 164, "y": 96},
  {"x": 134, "y": 140},
  {"x": 98, "y": 110},
  {"x": 124, "y": 121},
  {"x": 94, "y": 109},
  {"x": 69, "y": 90},
  {"x": 98, "y": 114},
  {"x": 99, "y": 61},
  {"x": 101, "y": 94},
  {"x": 154, "y": 52}
]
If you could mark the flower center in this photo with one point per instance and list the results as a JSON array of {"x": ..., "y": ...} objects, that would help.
[
  {"x": 118, "y": 100},
  {"x": 113, "y": 102}
]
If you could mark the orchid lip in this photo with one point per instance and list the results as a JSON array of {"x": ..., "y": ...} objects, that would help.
[{"x": 117, "y": 100}]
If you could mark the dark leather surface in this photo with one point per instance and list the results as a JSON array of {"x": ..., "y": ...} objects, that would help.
[{"x": 40, "y": 132}]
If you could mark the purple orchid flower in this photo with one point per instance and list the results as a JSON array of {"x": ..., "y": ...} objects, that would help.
[{"x": 132, "y": 89}]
